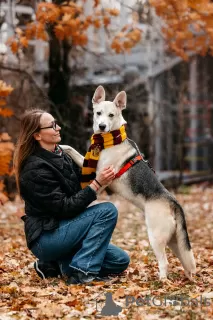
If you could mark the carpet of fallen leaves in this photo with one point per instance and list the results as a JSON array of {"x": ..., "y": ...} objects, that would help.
[{"x": 25, "y": 296}]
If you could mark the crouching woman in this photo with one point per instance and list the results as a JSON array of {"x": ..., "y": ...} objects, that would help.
[{"x": 68, "y": 237}]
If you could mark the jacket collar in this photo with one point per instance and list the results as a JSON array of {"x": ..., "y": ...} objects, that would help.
[{"x": 50, "y": 156}]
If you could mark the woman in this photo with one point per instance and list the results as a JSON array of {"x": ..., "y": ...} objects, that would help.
[{"x": 68, "y": 237}]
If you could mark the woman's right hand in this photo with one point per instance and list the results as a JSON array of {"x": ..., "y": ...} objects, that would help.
[{"x": 106, "y": 176}]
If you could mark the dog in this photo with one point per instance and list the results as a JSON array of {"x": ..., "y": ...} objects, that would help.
[{"x": 164, "y": 216}]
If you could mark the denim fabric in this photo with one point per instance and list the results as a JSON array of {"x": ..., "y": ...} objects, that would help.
[{"x": 82, "y": 243}]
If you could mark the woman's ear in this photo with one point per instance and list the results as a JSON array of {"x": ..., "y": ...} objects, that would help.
[
  {"x": 120, "y": 100},
  {"x": 99, "y": 95},
  {"x": 37, "y": 136}
]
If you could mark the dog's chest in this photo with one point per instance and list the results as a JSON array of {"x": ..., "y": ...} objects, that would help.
[{"x": 115, "y": 156}]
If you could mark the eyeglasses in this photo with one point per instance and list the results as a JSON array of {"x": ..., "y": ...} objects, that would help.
[{"x": 53, "y": 125}]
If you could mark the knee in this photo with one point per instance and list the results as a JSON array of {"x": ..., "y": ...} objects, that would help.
[
  {"x": 110, "y": 211},
  {"x": 122, "y": 258},
  {"x": 125, "y": 260}
]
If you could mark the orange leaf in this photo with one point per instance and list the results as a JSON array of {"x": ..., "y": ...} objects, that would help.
[
  {"x": 18, "y": 31},
  {"x": 31, "y": 30},
  {"x": 66, "y": 17},
  {"x": 113, "y": 12},
  {"x": 89, "y": 19},
  {"x": 5, "y": 137},
  {"x": 3, "y": 198},
  {"x": 96, "y": 3},
  {"x": 5, "y": 89},
  {"x": 106, "y": 21},
  {"x": 2, "y": 103},
  {"x": 14, "y": 46},
  {"x": 83, "y": 39},
  {"x": 127, "y": 44},
  {"x": 24, "y": 42},
  {"x": 6, "y": 112},
  {"x": 6, "y": 151},
  {"x": 116, "y": 45},
  {"x": 97, "y": 23},
  {"x": 59, "y": 31},
  {"x": 47, "y": 12}
]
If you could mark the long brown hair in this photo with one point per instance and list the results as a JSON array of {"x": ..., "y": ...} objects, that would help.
[{"x": 26, "y": 143}]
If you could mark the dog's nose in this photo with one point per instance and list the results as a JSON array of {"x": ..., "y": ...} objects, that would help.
[{"x": 102, "y": 127}]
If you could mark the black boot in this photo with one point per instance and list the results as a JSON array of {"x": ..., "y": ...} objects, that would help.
[
  {"x": 47, "y": 269},
  {"x": 79, "y": 277}
]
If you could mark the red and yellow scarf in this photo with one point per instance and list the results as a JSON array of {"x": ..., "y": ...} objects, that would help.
[{"x": 99, "y": 142}]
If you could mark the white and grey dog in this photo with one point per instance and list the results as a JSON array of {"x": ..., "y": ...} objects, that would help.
[{"x": 164, "y": 216}]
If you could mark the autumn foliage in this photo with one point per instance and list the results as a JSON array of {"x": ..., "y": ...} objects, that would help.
[
  {"x": 188, "y": 25},
  {"x": 6, "y": 146},
  {"x": 70, "y": 21}
]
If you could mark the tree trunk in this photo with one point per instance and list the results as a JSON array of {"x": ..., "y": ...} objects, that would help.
[
  {"x": 193, "y": 95},
  {"x": 69, "y": 114}
]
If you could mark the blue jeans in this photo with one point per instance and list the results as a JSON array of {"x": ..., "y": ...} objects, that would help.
[{"x": 82, "y": 243}]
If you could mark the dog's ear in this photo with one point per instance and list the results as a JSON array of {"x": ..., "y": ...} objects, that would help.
[
  {"x": 120, "y": 100},
  {"x": 99, "y": 95}
]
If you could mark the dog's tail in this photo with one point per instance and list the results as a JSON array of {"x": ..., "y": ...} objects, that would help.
[{"x": 182, "y": 247}]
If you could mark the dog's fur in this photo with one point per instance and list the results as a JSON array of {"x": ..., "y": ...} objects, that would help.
[{"x": 164, "y": 216}]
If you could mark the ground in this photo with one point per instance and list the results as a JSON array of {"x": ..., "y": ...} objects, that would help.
[{"x": 25, "y": 296}]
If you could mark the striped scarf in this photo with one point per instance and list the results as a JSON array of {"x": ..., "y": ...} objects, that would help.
[
  {"x": 57, "y": 150},
  {"x": 99, "y": 142}
]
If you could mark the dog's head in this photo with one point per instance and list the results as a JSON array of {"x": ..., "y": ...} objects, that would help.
[{"x": 107, "y": 115}]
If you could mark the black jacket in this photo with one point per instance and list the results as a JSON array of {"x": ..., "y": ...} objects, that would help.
[{"x": 50, "y": 187}]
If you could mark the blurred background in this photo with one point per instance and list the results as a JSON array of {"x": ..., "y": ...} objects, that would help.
[{"x": 53, "y": 55}]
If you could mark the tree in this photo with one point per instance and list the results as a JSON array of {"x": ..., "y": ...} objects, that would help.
[
  {"x": 6, "y": 146},
  {"x": 187, "y": 25},
  {"x": 64, "y": 24}
]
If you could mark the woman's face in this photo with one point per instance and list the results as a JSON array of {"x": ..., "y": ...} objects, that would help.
[{"x": 47, "y": 137}]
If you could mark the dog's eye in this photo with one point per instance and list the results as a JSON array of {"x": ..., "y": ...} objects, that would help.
[
  {"x": 98, "y": 113},
  {"x": 111, "y": 115}
]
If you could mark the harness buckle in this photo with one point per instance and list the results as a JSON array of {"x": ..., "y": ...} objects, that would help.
[{"x": 132, "y": 161}]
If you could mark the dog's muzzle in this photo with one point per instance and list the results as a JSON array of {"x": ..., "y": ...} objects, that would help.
[{"x": 102, "y": 127}]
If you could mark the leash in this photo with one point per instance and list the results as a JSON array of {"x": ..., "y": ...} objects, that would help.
[
  {"x": 139, "y": 153},
  {"x": 135, "y": 146}
]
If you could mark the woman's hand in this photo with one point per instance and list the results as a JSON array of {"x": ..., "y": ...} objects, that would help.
[
  {"x": 106, "y": 175},
  {"x": 103, "y": 178}
]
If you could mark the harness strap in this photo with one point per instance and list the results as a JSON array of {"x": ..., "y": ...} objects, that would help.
[{"x": 128, "y": 165}]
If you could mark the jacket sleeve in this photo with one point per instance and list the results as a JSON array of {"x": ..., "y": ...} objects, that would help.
[
  {"x": 76, "y": 168},
  {"x": 45, "y": 194}
]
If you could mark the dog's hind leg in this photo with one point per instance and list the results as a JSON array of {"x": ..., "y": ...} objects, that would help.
[
  {"x": 158, "y": 246},
  {"x": 161, "y": 226},
  {"x": 175, "y": 249}
]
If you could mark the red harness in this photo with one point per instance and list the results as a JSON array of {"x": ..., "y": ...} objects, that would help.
[{"x": 128, "y": 165}]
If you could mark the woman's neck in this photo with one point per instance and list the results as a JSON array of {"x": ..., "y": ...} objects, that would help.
[{"x": 49, "y": 147}]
